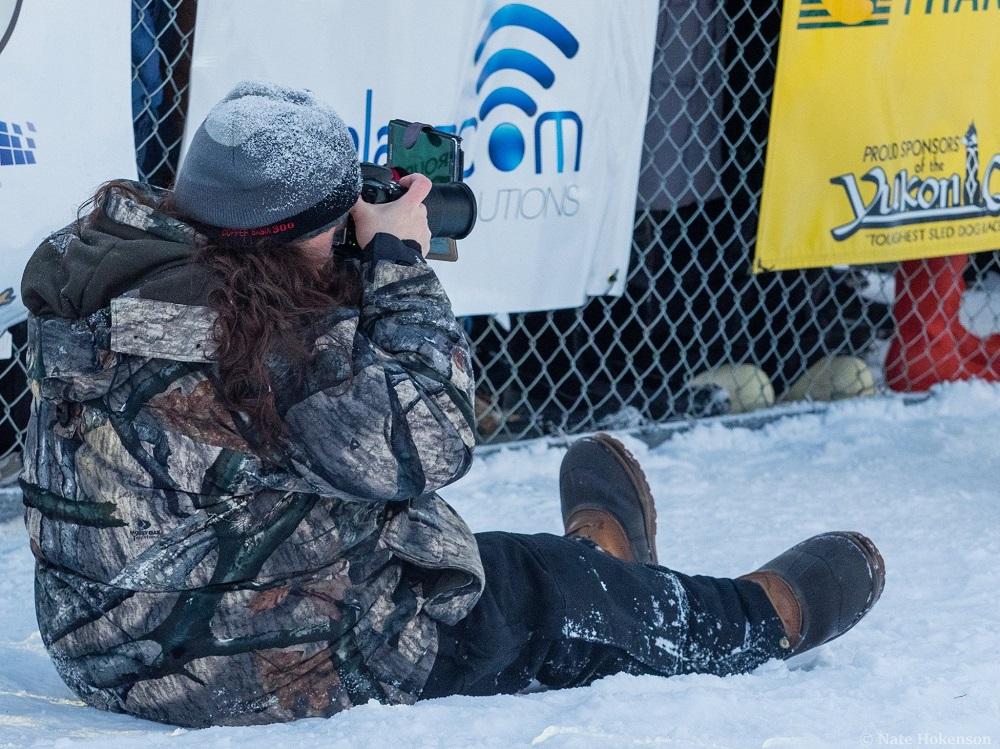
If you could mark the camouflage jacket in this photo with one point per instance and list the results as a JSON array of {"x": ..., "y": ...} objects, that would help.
[{"x": 180, "y": 576}]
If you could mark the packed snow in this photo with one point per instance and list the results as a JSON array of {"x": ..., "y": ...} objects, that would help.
[{"x": 923, "y": 480}]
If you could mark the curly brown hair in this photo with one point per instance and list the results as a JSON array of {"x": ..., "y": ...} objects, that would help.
[{"x": 266, "y": 298}]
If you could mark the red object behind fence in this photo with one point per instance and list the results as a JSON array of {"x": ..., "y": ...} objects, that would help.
[{"x": 931, "y": 345}]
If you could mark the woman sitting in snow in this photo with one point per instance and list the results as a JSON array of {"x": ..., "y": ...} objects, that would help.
[{"x": 234, "y": 450}]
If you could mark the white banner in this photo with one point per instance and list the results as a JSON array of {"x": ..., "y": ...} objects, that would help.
[
  {"x": 550, "y": 97},
  {"x": 65, "y": 121}
]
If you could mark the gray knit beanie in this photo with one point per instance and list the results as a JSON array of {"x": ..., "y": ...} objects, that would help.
[{"x": 267, "y": 162}]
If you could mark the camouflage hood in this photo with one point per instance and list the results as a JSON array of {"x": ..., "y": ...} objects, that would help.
[
  {"x": 91, "y": 267},
  {"x": 80, "y": 269},
  {"x": 180, "y": 576}
]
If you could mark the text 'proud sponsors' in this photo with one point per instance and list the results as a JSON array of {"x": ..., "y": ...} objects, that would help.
[
  {"x": 883, "y": 128},
  {"x": 917, "y": 188},
  {"x": 922, "y": 192}
]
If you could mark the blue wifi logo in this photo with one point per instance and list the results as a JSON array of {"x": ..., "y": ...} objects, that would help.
[{"x": 506, "y": 141}]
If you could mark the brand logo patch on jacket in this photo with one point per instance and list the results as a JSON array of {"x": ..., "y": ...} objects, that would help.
[{"x": 144, "y": 529}]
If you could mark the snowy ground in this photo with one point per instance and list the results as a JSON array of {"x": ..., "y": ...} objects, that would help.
[{"x": 922, "y": 670}]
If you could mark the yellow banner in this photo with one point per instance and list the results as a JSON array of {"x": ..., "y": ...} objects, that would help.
[{"x": 885, "y": 133}]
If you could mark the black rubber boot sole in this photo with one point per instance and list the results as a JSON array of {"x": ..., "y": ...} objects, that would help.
[
  {"x": 599, "y": 473},
  {"x": 836, "y": 577}
]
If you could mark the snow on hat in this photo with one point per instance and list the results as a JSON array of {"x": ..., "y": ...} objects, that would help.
[{"x": 268, "y": 161}]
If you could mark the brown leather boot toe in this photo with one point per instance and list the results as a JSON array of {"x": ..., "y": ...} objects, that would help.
[
  {"x": 822, "y": 587},
  {"x": 606, "y": 499}
]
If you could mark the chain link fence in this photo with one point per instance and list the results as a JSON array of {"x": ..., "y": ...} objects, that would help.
[
  {"x": 162, "y": 44},
  {"x": 16, "y": 399},
  {"x": 695, "y": 333}
]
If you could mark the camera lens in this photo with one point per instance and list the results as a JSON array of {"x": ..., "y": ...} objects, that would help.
[{"x": 451, "y": 210}]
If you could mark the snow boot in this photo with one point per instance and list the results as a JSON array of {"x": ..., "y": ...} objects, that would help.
[
  {"x": 606, "y": 500},
  {"x": 822, "y": 587}
]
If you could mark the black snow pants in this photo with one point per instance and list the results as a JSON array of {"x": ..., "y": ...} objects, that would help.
[{"x": 563, "y": 613}]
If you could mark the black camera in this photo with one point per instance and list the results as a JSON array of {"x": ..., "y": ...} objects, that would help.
[
  {"x": 451, "y": 206},
  {"x": 414, "y": 147}
]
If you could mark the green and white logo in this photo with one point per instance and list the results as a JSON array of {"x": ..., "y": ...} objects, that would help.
[{"x": 838, "y": 14}]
